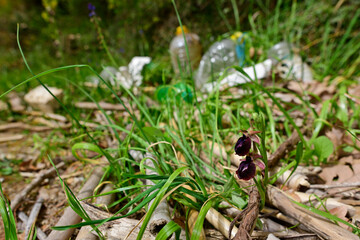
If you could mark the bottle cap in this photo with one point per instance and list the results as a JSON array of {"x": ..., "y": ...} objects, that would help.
[{"x": 179, "y": 32}]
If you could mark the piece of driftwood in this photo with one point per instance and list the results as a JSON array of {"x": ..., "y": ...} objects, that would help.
[
  {"x": 70, "y": 217},
  {"x": 33, "y": 216},
  {"x": 84, "y": 233},
  {"x": 248, "y": 216},
  {"x": 118, "y": 229},
  {"x": 288, "y": 145},
  {"x": 35, "y": 182},
  {"x": 161, "y": 215},
  {"x": 39, "y": 233},
  {"x": 103, "y": 105},
  {"x": 315, "y": 223}
]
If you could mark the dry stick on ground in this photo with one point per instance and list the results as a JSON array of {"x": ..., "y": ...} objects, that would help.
[
  {"x": 341, "y": 185},
  {"x": 35, "y": 182},
  {"x": 117, "y": 229},
  {"x": 39, "y": 233},
  {"x": 248, "y": 215},
  {"x": 33, "y": 216},
  {"x": 103, "y": 105},
  {"x": 86, "y": 233},
  {"x": 70, "y": 217},
  {"x": 322, "y": 227},
  {"x": 284, "y": 148}
]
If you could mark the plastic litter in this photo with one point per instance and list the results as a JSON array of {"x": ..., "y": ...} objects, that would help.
[
  {"x": 178, "y": 51},
  {"x": 221, "y": 54},
  {"x": 288, "y": 64},
  {"x": 127, "y": 76},
  {"x": 259, "y": 71}
]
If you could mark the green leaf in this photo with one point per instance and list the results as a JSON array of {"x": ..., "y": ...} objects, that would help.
[
  {"x": 168, "y": 230},
  {"x": 200, "y": 220},
  {"x": 153, "y": 134},
  {"x": 157, "y": 200},
  {"x": 323, "y": 147}
]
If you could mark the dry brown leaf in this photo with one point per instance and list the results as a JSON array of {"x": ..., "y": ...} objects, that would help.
[
  {"x": 341, "y": 212},
  {"x": 336, "y": 174}
]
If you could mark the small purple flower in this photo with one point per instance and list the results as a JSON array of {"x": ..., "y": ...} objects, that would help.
[
  {"x": 243, "y": 145},
  {"x": 122, "y": 50},
  {"x": 92, "y": 10},
  {"x": 247, "y": 168},
  {"x": 141, "y": 32}
]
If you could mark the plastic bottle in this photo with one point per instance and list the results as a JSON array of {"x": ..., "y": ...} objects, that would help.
[
  {"x": 178, "y": 50},
  {"x": 280, "y": 51},
  {"x": 221, "y": 54},
  {"x": 289, "y": 64}
]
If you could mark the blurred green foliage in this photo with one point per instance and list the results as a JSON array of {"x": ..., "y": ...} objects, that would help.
[{"x": 59, "y": 32}]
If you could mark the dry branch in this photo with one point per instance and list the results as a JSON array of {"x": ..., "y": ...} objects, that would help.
[
  {"x": 315, "y": 223},
  {"x": 284, "y": 148},
  {"x": 39, "y": 233},
  {"x": 84, "y": 233},
  {"x": 103, "y": 105},
  {"x": 248, "y": 215},
  {"x": 117, "y": 229},
  {"x": 33, "y": 215},
  {"x": 70, "y": 217},
  {"x": 35, "y": 182}
]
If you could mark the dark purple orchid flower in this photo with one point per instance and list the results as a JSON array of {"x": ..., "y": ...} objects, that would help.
[
  {"x": 91, "y": 9},
  {"x": 247, "y": 168},
  {"x": 243, "y": 145}
]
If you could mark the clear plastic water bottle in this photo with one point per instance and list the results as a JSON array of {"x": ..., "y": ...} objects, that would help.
[
  {"x": 288, "y": 64},
  {"x": 280, "y": 51},
  {"x": 219, "y": 56},
  {"x": 178, "y": 51}
]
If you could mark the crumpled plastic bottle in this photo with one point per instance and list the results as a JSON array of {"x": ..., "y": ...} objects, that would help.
[
  {"x": 289, "y": 64},
  {"x": 179, "y": 58},
  {"x": 221, "y": 54}
]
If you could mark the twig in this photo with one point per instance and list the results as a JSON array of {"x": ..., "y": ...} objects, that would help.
[
  {"x": 117, "y": 229},
  {"x": 39, "y": 233},
  {"x": 248, "y": 216},
  {"x": 284, "y": 148},
  {"x": 70, "y": 217},
  {"x": 314, "y": 222},
  {"x": 84, "y": 233},
  {"x": 33, "y": 216},
  {"x": 9, "y": 138},
  {"x": 103, "y": 105},
  {"x": 40, "y": 177},
  {"x": 341, "y": 185}
]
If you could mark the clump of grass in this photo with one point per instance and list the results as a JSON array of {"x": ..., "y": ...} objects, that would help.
[{"x": 7, "y": 217}]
